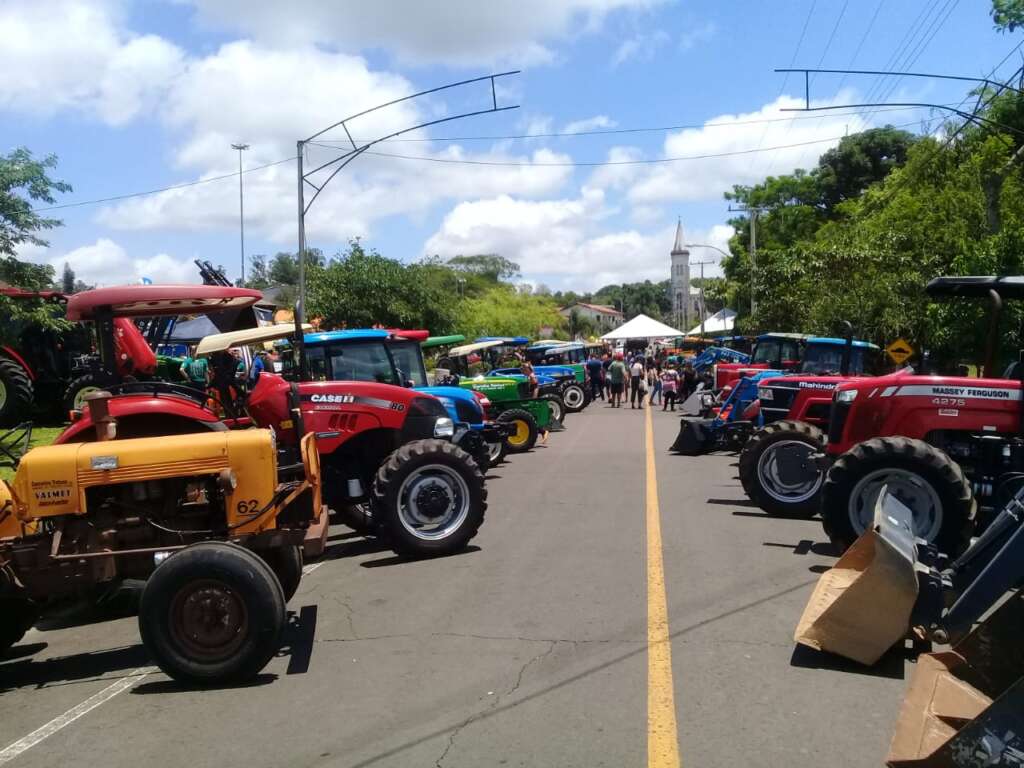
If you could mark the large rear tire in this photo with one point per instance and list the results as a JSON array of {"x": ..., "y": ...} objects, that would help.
[
  {"x": 429, "y": 499},
  {"x": 575, "y": 398},
  {"x": 16, "y": 396},
  {"x": 921, "y": 476},
  {"x": 212, "y": 613},
  {"x": 286, "y": 563},
  {"x": 792, "y": 489},
  {"x": 74, "y": 395},
  {"x": 17, "y": 615},
  {"x": 526, "y": 429}
]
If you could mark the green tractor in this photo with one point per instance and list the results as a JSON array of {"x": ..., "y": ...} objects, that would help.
[{"x": 509, "y": 396}]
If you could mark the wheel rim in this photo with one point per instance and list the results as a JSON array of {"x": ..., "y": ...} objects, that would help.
[
  {"x": 521, "y": 435},
  {"x": 910, "y": 488},
  {"x": 493, "y": 451},
  {"x": 556, "y": 409},
  {"x": 433, "y": 502},
  {"x": 79, "y": 401},
  {"x": 209, "y": 620},
  {"x": 770, "y": 478},
  {"x": 573, "y": 397}
]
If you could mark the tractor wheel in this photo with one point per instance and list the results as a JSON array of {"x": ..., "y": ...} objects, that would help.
[
  {"x": 355, "y": 516},
  {"x": 429, "y": 498},
  {"x": 286, "y": 563},
  {"x": 17, "y": 615},
  {"x": 777, "y": 471},
  {"x": 525, "y": 436},
  {"x": 921, "y": 476},
  {"x": 574, "y": 397},
  {"x": 15, "y": 393},
  {"x": 496, "y": 452},
  {"x": 74, "y": 395},
  {"x": 557, "y": 407},
  {"x": 212, "y": 613}
]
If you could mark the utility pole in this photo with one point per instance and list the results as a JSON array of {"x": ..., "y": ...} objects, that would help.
[
  {"x": 703, "y": 306},
  {"x": 241, "y": 206},
  {"x": 753, "y": 211}
]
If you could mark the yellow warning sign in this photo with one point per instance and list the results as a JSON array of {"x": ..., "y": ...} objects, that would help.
[{"x": 899, "y": 351}]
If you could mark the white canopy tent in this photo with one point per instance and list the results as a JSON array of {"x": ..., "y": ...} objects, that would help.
[
  {"x": 641, "y": 327},
  {"x": 722, "y": 320}
]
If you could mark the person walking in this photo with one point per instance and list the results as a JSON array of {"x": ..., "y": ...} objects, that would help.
[
  {"x": 654, "y": 383},
  {"x": 689, "y": 381},
  {"x": 605, "y": 363},
  {"x": 617, "y": 374},
  {"x": 596, "y": 373},
  {"x": 636, "y": 383},
  {"x": 669, "y": 386}
]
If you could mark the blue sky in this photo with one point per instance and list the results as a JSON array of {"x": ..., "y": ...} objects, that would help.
[{"x": 137, "y": 96}]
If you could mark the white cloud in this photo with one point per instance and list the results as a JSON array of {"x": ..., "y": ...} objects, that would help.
[
  {"x": 589, "y": 124},
  {"x": 461, "y": 32},
  {"x": 707, "y": 179},
  {"x": 640, "y": 47},
  {"x": 107, "y": 263},
  {"x": 557, "y": 242},
  {"x": 699, "y": 34},
  {"x": 73, "y": 54}
]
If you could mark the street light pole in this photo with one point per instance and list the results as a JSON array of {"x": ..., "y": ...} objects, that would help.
[{"x": 241, "y": 206}]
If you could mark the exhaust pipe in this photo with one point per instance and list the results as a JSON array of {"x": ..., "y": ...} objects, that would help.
[
  {"x": 844, "y": 366},
  {"x": 103, "y": 422}
]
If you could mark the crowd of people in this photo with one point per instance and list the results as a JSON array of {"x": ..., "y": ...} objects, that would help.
[{"x": 614, "y": 376}]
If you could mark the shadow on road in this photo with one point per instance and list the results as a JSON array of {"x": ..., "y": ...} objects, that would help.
[
  {"x": 21, "y": 651},
  {"x": 890, "y": 665},
  {"x": 399, "y": 559},
  {"x": 806, "y": 546},
  {"x": 299, "y": 637},
  {"x": 733, "y": 502},
  {"x": 172, "y": 686},
  {"x": 79, "y": 667}
]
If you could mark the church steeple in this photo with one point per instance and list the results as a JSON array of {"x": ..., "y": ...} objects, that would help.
[{"x": 679, "y": 248}]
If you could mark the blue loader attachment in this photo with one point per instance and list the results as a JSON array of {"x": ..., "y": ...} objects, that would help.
[{"x": 728, "y": 430}]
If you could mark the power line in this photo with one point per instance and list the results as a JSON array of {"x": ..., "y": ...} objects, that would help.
[{"x": 184, "y": 185}]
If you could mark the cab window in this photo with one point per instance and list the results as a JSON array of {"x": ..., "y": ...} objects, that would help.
[
  {"x": 361, "y": 362},
  {"x": 409, "y": 362}
]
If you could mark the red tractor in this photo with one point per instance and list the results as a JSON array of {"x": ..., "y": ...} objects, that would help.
[
  {"x": 385, "y": 450},
  {"x": 942, "y": 445},
  {"x": 779, "y": 351}
]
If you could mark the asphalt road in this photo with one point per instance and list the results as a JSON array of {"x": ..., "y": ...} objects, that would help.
[{"x": 534, "y": 648}]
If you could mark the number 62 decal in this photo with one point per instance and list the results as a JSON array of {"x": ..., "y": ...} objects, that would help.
[{"x": 250, "y": 507}]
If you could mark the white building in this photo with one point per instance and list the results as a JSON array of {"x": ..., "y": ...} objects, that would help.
[
  {"x": 603, "y": 317},
  {"x": 686, "y": 308}
]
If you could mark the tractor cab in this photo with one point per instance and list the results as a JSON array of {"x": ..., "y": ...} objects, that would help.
[
  {"x": 781, "y": 351},
  {"x": 824, "y": 356}
]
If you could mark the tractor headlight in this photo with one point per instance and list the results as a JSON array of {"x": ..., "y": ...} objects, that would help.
[
  {"x": 846, "y": 395},
  {"x": 444, "y": 427},
  {"x": 765, "y": 393}
]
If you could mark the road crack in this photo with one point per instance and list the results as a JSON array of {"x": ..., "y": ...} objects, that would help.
[{"x": 497, "y": 699}]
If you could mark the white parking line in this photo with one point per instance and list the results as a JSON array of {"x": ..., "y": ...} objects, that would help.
[
  {"x": 38, "y": 735},
  {"x": 308, "y": 569}
]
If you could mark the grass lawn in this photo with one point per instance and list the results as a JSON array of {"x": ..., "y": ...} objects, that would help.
[{"x": 40, "y": 436}]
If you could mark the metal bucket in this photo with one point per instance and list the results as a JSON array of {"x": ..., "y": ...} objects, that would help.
[
  {"x": 862, "y": 606},
  {"x": 965, "y": 707},
  {"x": 694, "y": 437}
]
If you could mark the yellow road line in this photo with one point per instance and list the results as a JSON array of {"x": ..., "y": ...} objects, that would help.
[{"x": 662, "y": 737}]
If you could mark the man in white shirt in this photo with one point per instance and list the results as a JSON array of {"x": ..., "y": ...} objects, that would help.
[{"x": 636, "y": 377}]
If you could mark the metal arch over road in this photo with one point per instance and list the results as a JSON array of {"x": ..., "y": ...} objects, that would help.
[{"x": 342, "y": 160}]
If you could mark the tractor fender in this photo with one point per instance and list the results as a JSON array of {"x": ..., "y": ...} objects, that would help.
[{"x": 160, "y": 415}]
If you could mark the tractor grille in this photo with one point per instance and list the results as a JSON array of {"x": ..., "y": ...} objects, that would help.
[
  {"x": 467, "y": 413},
  {"x": 837, "y": 421},
  {"x": 778, "y": 407}
]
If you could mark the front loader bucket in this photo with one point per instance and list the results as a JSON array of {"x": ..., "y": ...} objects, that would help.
[
  {"x": 694, "y": 404},
  {"x": 694, "y": 437},
  {"x": 965, "y": 707},
  {"x": 861, "y": 606}
]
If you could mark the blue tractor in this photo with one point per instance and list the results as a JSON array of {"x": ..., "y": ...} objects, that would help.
[{"x": 384, "y": 356}]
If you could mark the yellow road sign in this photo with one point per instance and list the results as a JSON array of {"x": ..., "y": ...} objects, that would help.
[{"x": 899, "y": 351}]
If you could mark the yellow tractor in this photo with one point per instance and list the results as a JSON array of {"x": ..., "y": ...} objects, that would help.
[{"x": 209, "y": 520}]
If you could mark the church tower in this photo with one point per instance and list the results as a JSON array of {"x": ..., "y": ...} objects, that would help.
[{"x": 680, "y": 282}]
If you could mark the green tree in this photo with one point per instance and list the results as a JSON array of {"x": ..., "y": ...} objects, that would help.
[
  {"x": 1008, "y": 15},
  {"x": 258, "y": 277},
  {"x": 67, "y": 279},
  {"x": 490, "y": 266},
  {"x": 505, "y": 311}
]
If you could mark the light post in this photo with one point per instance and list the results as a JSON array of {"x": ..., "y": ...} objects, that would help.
[
  {"x": 241, "y": 206},
  {"x": 703, "y": 307}
]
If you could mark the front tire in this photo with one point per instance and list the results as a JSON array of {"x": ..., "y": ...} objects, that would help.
[
  {"x": 526, "y": 430},
  {"x": 774, "y": 486},
  {"x": 17, "y": 616},
  {"x": 574, "y": 397},
  {"x": 496, "y": 452},
  {"x": 557, "y": 408},
  {"x": 16, "y": 397},
  {"x": 429, "y": 499},
  {"x": 286, "y": 563},
  {"x": 921, "y": 476},
  {"x": 212, "y": 613}
]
